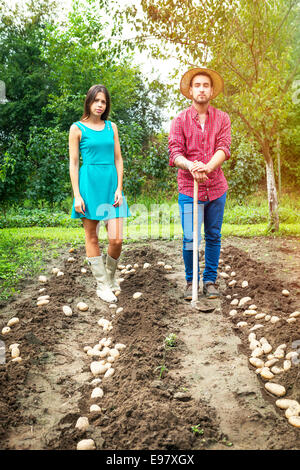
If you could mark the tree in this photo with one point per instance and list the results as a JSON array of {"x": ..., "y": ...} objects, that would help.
[{"x": 253, "y": 43}]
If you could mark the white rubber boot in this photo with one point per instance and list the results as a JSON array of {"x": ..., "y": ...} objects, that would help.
[
  {"x": 111, "y": 266},
  {"x": 99, "y": 272}
]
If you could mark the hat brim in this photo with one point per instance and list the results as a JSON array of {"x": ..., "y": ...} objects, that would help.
[{"x": 185, "y": 83}]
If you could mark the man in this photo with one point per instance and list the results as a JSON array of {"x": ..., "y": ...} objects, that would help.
[{"x": 199, "y": 142}]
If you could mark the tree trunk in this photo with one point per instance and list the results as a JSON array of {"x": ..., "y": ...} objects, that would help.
[{"x": 272, "y": 192}]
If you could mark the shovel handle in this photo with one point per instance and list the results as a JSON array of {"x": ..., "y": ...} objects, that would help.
[{"x": 195, "y": 244}]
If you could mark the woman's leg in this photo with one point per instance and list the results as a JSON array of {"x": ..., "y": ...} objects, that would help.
[
  {"x": 114, "y": 229},
  {"x": 91, "y": 238}
]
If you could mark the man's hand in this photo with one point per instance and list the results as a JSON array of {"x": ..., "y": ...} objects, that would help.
[{"x": 198, "y": 171}]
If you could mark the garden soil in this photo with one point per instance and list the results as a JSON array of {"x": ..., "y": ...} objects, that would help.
[{"x": 201, "y": 393}]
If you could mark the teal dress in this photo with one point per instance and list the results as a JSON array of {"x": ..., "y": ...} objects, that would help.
[{"x": 98, "y": 179}]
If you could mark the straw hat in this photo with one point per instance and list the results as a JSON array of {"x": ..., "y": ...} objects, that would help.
[{"x": 185, "y": 83}]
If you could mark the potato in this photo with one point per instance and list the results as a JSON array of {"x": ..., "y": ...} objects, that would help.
[
  {"x": 256, "y": 327},
  {"x": 267, "y": 348},
  {"x": 120, "y": 346},
  {"x": 168, "y": 267},
  {"x": 82, "y": 423},
  {"x": 244, "y": 301},
  {"x": 234, "y": 302},
  {"x": 285, "y": 403},
  {"x": 275, "y": 389},
  {"x": 277, "y": 370},
  {"x": 256, "y": 362},
  {"x": 15, "y": 352},
  {"x": 241, "y": 324},
  {"x": 291, "y": 355},
  {"x": 271, "y": 362},
  {"x": 86, "y": 444},
  {"x": 233, "y": 274},
  {"x": 59, "y": 274},
  {"x": 251, "y": 336},
  {"x": 291, "y": 320},
  {"x": 257, "y": 352},
  {"x": 83, "y": 307},
  {"x": 43, "y": 279},
  {"x": 112, "y": 306},
  {"x": 128, "y": 266},
  {"x": 254, "y": 344},
  {"x": 107, "y": 343},
  {"x": 5, "y": 330},
  {"x": 97, "y": 368},
  {"x": 119, "y": 310},
  {"x": 245, "y": 284},
  {"x": 42, "y": 290},
  {"x": 87, "y": 348},
  {"x": 266, "y": 373},
  {"x": 121, "y": 266},
  {"x": 224, "y": 275},
  {"x": 274, "y": 319},
  {"x": 285, "y": 292},
  {"x": 40, "y": 303},
  {"x": 67, "y": 310},
  {"x": 232, "y": 283},
  {"x": 71, "y": 259},
  {"x": 137, "y": 295},
  {"x": 295, "y": 421},
  {"x": 109, "y": 373},
  {"x": 293, "y": 410},
  {"x": 96, "y": 382},
  {"x": 250, "y": 312},
  {"x": 13, "y": 321},
  {"x": 95, "y": 408},
  {"x": 160, "y": 263},
  {"x": 295, "y": 314},
  {"x": 146, "y": 265},
  {"x": 117, "y": 293},
  {"x": 83, "y": 270},
  {"x": 233, "y": 312},
  {"x": 227, "y": 267},
  {"x": 14, "y": 345},
  {"x": 55, "y": 270},
  {"x": 114, "y": 353},
  {"x": 259, "y": 316},
  {"x": 97, "y": 393},
  {"x": 43, "y": 297},
  {"x": 252, "y": 307}
]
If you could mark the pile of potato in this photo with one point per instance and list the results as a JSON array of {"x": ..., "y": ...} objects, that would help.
[{"x": 268, "y": 361}]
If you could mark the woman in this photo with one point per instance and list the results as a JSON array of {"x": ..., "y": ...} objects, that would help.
[{"x": 97, "y": 186}]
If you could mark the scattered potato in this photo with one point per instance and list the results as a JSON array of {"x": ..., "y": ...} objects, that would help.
[
  {"x": 295, "y": 314},
  {"x": 224, "y": 275},
  {"x": 60, "y": 273},
  {"x": 168, "y": 267},
  {"x": 82, "y": 423},
  {"x": 112, "y": 306},
  {"x": 295, "y": 421},
  {"x": 285, "y": 403},
  {"x": 268, "y": 317},
  {"x": 244, "y": 301},
  {"x": 83, "y": 307},
  {"x": 227, "y": 267},
  {"x": 43, "y": 279},
  {"x": 117, "y": 293},
  {"x": 257, "y": 352},
  {"x": 233, "y": 274},
  {"x": 14, "y": 345},
  {"x": 291, "y": 355},
  {"x": 266, "y": 373},
  {"x": 274, "y": 319},
  {"x": 15, "y": 352},
  {"x": 71, "y": 250},
  {"x": 43, "y": 297},
  {"x": 13, "y": 321},
  {"x": 160, "y": 263},
  {"x": 120, "y": 346},
  {"x": 67, "y": 310},
  {"x": 259, "y": 316},
  {"x": 234, "y": 302},
  {"x": 95, "y": 408},
  {"x": 292, "y": 411},
  {"x": 5, "y": 330},
  {"x": 86, "y": 444},
  {"x": 256, "y": 327},
  {"x": 97, "y": 368},
  {"x": 97, "y": 393},
  {"x": 83, "y": 270},
  {"x": 271, "y": 362},
  {"x": 252, "y": 307},
  {"x": 137, "y": 295},
  {"x": 285, "y": 292},
  {"x": 109, "y": 372},
  {"x": 275, "y": 389},
  {"x": 71, "y": 259},
  {"x": 250, "y": 312},
  {"x": 232, "y": 283},
  {"x": 256, "y": 362},
  {"x": 267, "y": 348},
  {"x": 119, "y": 310},
  {"x": 42, "y": 290},
  {"x": 245, "y": 284},
  {"x": 128, "y": 266},
  {"x": 87, "y": 348},
  {"x": 277, "y": 370},
  {"x": 121, "y": 266},
  {"x": 55, "y": 270},
  {"x": 135, "y": 266},
  {"x": 95, "y": 382},
  {"x": 233, "y": 312},
  {"x": 146, "y": 265},
  {"x": 241, "y": 324},
  {"x": 291, "y": 320},
  {"x": 42, "y": 302}
]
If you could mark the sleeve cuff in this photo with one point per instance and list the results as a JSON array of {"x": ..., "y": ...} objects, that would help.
[{"x": 226, "y": 151}]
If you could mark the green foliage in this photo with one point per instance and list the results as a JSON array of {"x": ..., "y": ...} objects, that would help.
[
  {"x": 245, "y": 168},
  {"x": 170, "y": 340}
]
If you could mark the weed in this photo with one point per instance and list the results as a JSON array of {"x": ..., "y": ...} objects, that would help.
[
  {"x": 162, "y": 369},
  {"x": 170, "y": 341},
  {"x": 196, "y": 430}
]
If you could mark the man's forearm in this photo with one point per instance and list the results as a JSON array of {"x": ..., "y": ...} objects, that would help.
[
  {"x": 216, "y": 161},
  {"x": 183, "y": 163}
]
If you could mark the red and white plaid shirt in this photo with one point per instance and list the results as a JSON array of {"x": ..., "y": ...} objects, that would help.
[{"x": 187, "y": 138}]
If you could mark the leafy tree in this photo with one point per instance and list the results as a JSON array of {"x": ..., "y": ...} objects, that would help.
[{"x": 253, "y": 43}]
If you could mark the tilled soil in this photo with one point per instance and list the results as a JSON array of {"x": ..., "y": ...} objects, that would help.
[{"x": 157, "y": 394}]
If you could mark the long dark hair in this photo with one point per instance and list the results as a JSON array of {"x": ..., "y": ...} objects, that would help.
[{"x": 90, "y": 98}]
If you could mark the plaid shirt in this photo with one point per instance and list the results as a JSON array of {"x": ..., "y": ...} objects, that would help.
[{"x": 187, "y": 138}]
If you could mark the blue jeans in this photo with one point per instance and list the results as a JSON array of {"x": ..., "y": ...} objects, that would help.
[{"x": 211, "y": 213}]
